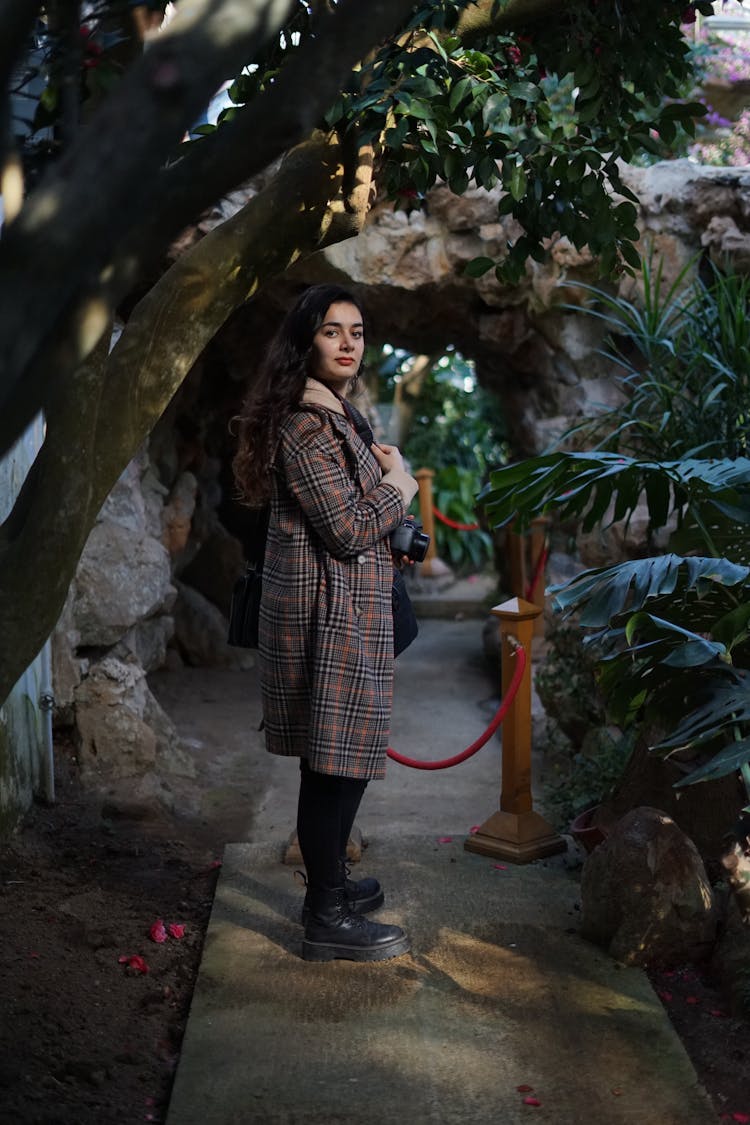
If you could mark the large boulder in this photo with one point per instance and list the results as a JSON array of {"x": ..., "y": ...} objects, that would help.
[
  {"x": 645, "y": 894},
  {"x": 121, "y": 579}
]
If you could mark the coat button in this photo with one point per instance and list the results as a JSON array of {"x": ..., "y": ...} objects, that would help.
[{"x": 361, "y": 559}]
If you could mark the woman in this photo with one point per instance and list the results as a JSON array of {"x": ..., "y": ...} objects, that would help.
[{"x": 326, "y": 628}]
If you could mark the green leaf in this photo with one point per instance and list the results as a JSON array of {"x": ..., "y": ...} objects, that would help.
[
  {"x": 732, "y": 757},
  {"x": 517, "y": 182},
  {"x": 630, "y": 254},
  {"x": 525, "y": 91},
  {"x": 459, "y": 91},
  {"x": 478, "y": 267}
]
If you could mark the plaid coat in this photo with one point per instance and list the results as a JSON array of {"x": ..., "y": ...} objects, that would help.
[{"x": 326, "y": 620}]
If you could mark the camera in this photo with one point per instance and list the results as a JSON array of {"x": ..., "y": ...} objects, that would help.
[{"x": 409, "y": 539}]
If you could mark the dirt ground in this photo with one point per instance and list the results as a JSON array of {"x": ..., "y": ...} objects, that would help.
[{"x": 88, "y": 1039}]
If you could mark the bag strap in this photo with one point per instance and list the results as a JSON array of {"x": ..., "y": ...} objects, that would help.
[{"x": 360, "y": 423}]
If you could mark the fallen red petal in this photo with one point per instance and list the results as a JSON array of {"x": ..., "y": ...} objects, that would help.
[
  {"x": 176, "y": 930},
  {"x": 157, "y": 932},
  {"x": 531, "y": 1101},
  {"x": 445, "y": 839},
  {"x": 718, "y": 1013},
  {"x": 525, "y": 1089},
  {"x": 134, "y": 961},
  {"x": 499, "y": 867},
  {"x": 743, "y": 1118},
  {"x": 664, "y": 995},
  {"x": 692, "y": 1000},
  {"x": 474, "y": 829},
  {"x": 215, "y": 863}
]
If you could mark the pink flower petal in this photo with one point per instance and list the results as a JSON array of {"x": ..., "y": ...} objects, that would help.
[
  {"x": 474, "y": 829},
  {"x": 531, "y": 1101},
  {"x": 743, "y": 1118},
  {"x": 525, "y": 1089},
  {"x": 157, "y": 932},
  {"x": 499, "y": 867},
  {"x": 445, "y": 839},
  {"x": 176, "y": 930},
  {"x": 133, "y": 961}
]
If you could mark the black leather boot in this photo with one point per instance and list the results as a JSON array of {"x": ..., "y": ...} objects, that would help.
[
  {"x": 362, "y": 895},
  {"x": 333, "y": 932}
]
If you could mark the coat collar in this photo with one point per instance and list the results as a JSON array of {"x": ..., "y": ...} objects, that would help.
[{"x": 318, "y": 394}]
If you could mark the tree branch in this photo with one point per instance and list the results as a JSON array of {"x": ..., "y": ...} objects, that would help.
[
  {"x": 65, "y": 235},
  {"x": 487, "y": 16},
  {"x": 167, "y": 201}
]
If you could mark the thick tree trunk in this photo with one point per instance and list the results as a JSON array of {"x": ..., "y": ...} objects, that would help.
[{"x": 99, "y": 418}]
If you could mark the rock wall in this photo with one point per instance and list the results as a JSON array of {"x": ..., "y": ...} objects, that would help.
[{"x": 155, "y": 578}]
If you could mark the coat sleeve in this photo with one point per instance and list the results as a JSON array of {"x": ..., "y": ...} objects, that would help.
[{"x": 320, "y": 481}]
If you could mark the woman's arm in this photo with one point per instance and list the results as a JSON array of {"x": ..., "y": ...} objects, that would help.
[{"x": 320, "y": 481}]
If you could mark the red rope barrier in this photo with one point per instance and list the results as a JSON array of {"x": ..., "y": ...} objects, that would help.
[
  {"x": 453, "y": 524},
  {"x": 502, "y": 711},
  {"x": 541, "y": 562}
]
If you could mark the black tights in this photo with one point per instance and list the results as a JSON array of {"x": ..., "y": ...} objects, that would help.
[{"x": 325, "y": 815}]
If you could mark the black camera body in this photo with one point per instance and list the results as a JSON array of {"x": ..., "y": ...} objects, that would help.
[{"x": 409, "y": 539}]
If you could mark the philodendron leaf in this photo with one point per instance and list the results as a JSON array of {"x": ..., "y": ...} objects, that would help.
[
  {"x": 731, "y": 758},
  {"x": 726, "y": 704},
  {"x": 600, "y": 595},
  {"x": 685, "y": 649}
]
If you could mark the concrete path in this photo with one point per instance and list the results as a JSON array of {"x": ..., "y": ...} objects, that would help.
[{"x": 498, "y": 992}]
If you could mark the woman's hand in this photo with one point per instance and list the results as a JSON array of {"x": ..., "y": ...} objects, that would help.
[{"x": 388, "y": 457}]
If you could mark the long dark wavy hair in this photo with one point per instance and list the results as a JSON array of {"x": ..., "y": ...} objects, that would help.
[{"x": 278, "y": 389}]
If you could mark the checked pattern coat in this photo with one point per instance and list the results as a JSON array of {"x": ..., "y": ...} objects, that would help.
[{"x": 326, "y": 622}]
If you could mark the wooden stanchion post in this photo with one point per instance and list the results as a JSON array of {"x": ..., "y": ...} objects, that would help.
[
  {"x": 431, "y": 566},
  {"x": 515, "y": 832}
]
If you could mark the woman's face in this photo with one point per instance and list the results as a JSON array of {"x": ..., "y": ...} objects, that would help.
[{"x": 338, "y": 345}]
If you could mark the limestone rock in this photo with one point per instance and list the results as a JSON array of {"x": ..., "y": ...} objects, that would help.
[
  {"x": 178, "y": 513},
  {"x": 201, "y": 632},
  {"x": 147, "y": 642},
  {"x": 123, "y": 731},
  {"x": 645, "y": 894},
  {"x": 121, "y": 579},
  {"x": 725, "y": 242},
  {"x": 115, "y": 740},
  {"x": 216, "y": 567},
  {"x": 125, "y": 505}
]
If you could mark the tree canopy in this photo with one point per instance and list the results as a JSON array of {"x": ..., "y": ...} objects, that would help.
[{"x": 335, "y": 101}]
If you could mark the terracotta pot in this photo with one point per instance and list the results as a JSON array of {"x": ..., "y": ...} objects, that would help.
[{"x": 587, "y": 834}]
